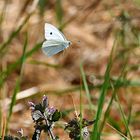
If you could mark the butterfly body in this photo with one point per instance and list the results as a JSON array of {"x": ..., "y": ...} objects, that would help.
[{"x": 55, "y": 41}]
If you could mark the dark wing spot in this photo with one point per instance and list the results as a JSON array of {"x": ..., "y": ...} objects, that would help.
[
  {"x": 50, "y": 33},
  {"x": 69, "y": 43}
]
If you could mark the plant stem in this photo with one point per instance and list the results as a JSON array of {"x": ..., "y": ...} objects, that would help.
[{"x": 49, "y": 130}]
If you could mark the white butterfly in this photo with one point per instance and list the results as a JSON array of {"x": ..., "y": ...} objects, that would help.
[{"x": 55, "y": 41}]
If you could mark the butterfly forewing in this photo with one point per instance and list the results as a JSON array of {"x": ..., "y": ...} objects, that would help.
[{"x": 52, "y": 33}]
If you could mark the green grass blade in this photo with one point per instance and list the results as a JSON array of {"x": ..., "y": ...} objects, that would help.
[
  {"x": 35, "y": 62},
  {"x": 23, "y": 57},
  {"x": 81, "y": 116},
  {"x": 18, "y": 81},
  {"x": 96, "y": 133},
  {"x": 3, "y": 11},
  {"x": 107, "y": 110},
  {"x": 59, "y": 12},
  {"x": 86, "y": 86},
  {"x": 42, "y": 4},
  {"x": 114, "y": 91},
  {"x": 13, "y": 101},
  {"x": 34, "y": 49},
  {"x": 12, "y": 67},
  {"x": 13, "y": 35},
  {"x": 129, "y": 117},
  {"x": 124, "y": 118},
  {"x": 1, "y": 119},
  {"x": 17, "y": 87}
]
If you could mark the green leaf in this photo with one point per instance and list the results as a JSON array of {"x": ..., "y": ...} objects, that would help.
[{"x": 56, "y": 116}]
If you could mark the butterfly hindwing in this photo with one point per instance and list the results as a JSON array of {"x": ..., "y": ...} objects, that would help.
[{"x": 52, "y": 47}]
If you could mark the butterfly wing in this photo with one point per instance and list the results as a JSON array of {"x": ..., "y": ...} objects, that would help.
[
  {"x": 51, "y": 47},
  {"x": 52, "y": 33}
]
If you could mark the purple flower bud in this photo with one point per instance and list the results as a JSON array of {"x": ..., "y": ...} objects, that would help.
[
  {"x": 45, "y": 102},
  {"x": 31, "y": 103},
  {"x": 51, "y": 110},
  {"x": 32, "y": 106}
]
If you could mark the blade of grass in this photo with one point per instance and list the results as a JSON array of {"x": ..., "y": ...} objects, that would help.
[
  {"x": 107, "y": 110},
  {"x": 59, "y": 12},
  {"x": 12, "y": 67},
  {"x": 42, "y": 4},
  {"x": 124, "y": 117},
  {"x": 18, "y": 81},
  {"x": 33, "y": 92},
  {"x": 35, "y": 62},
  {"x": 113, "y": 123},
  {"x": 13, "y": 100},
  {"x": 3, "y": 126},
  {"x": 113, "y": 85},
  {"x": 13, "y": 35},
  {"x": 81, "y": 116},
  {"x": 96, "y": 133},
  {"x": 3, "y": 12},
  {"x": 121, "y": 134},
  {"x": 0, "y": 120},
  {"x": 129, "y": 117},
  {"x": 86, "y": 86}
]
